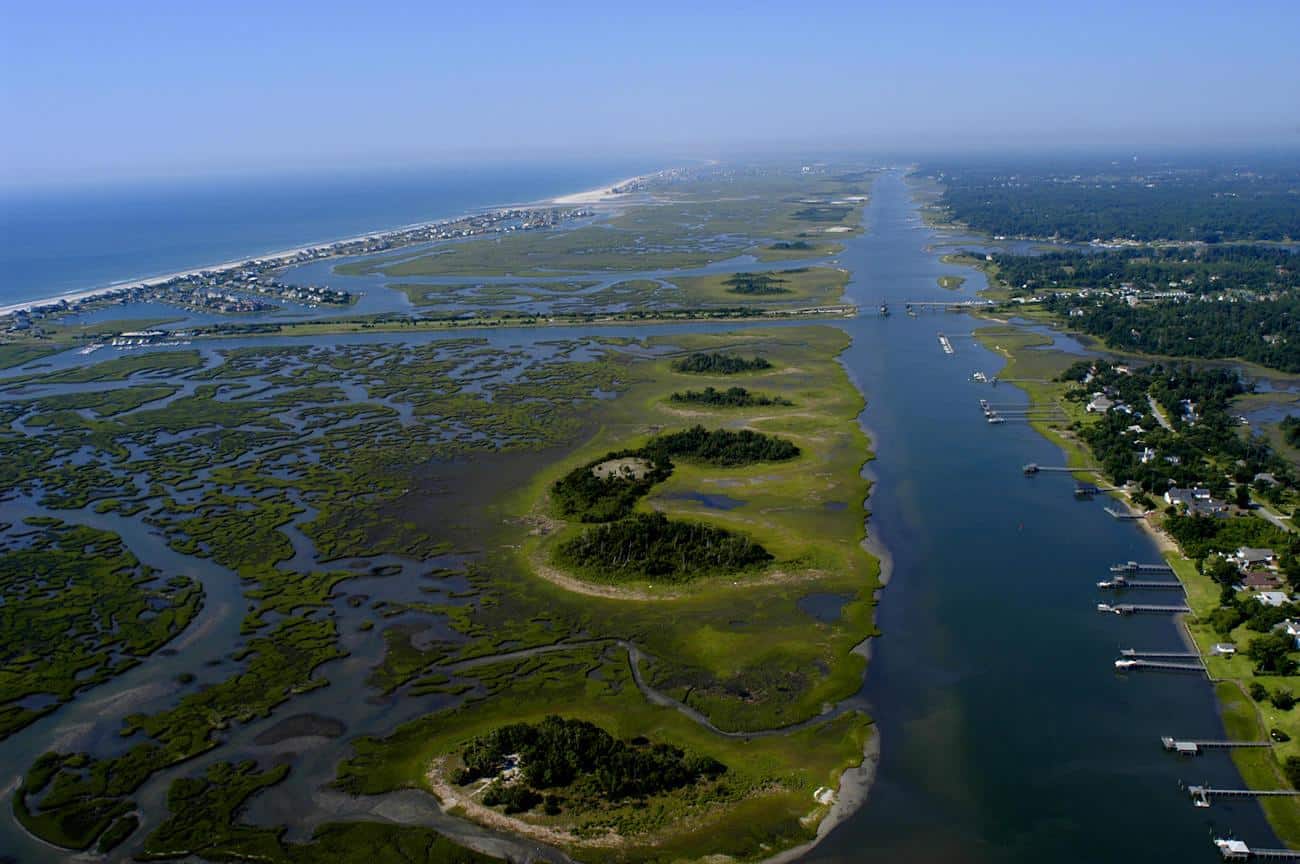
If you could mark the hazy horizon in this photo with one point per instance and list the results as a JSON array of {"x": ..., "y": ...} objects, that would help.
[{"x": 141, "y": 90}]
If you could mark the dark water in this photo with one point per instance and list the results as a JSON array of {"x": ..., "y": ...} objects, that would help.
[
  {"x": 52, "y": 242},
  {"x": 1006, "y": 734}
]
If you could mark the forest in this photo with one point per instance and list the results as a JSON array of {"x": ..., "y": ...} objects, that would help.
[
  {"x": 719, "y": 363},
  {"x": 652, "y": 545},
  {"x": 732, "y": 397},
  {"x": 1229, "y": 268},
  {"x": 1201, "y": 200},
  {"x": 580, "y": 758},
  {"x": 1262, "y": 331}
]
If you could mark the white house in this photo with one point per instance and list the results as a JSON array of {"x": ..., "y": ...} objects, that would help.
[
  {"x": 1100, "y": 404},
  {"x": 1272, "y": 598}
]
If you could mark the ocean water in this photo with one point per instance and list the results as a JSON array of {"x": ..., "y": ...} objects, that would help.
[{"x": 56, "y": 241}]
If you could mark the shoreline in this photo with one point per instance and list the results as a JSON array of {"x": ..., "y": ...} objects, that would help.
[
  {"x": 598, "y": 195},
  {"x": 1169, "y": 551}
]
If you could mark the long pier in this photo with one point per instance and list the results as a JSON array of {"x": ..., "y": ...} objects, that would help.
[
  {"x": 1034, "y": 468},
  {"x": 1203, "y": 795},
  {"x": 1236, "y": 850},
  {"x": 1124, "y": 665},
  {"x": 1133, "y": 652},
  {"x": 1119, "y": 583},
  {"x": 1142, "y": 609},
  {"x": 1194, "y": 748},
  {"x": 1135, "y": 567},
  {"x": 1124, "y": 517}
]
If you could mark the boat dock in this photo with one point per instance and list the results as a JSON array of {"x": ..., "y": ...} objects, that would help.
[
  {"x": 1134, "y": 567},
  {"x": 1142, "y": 608},
  {"x": 1125, "y": 665},
  {"x": 1034, "y": 468},
  {"x": 1236, "y": 850},
  {"x": 1123, "y": 516},
  {"x": 1119, "y": 583},
  {"x": 1133, "y": 652},
  {"x": 1203, "y": 795},
  {"x": 1194, "y": 748}
]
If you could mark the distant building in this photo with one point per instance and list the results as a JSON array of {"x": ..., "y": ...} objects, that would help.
[{"x": 1272, "y": 598}]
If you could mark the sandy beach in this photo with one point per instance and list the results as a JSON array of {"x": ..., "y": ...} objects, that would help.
[{"x": 599, "y": 195}]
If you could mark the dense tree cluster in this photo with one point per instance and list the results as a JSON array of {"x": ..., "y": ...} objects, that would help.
[
  {"x": 1291, "y": 430},
  {"x": 732, "y": 397},
  {"x": 1266, "y": 332},
  {"x": 756, "y": 283},
  {"x": 1215, "y": 269},
  {"x": 722, "y": 447},
  {"x": 718, "y": 363},
  {"x": 652, "y": 545},
  {"x": 584, "y": 496},
  {"x": 579, "y": 757},
  {"x": 587, "y": 496},
  {"x": 1185, "y": 454},
  {"x": 1096, "y": 199}
]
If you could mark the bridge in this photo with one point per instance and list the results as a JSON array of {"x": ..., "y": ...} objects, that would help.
[{"x": 947, "y": 305}]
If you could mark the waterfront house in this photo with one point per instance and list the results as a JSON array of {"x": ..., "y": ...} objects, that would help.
[
  {"x": 1261, "y": 580},
  {"x": 1186, "y": 497},
  {"x": 1247, "y": 557},
  {"x": 1100, "y": 404}
]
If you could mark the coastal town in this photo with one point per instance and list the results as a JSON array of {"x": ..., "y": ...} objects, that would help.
[{"x": 253, "y": 285}]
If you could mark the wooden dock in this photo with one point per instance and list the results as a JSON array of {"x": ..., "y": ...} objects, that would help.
[
  {"x": 1203, "y": 795},
  {"x": 1194, "y": 747},
  {"x": 1127, "y": 665},
  {"x": 1236, "y": 850},
  {"x": 1124, "y": 516},
  {"x": 1143, "y": 609},
  {"x": 1133, "y": 652},
  {"x": 1135, "y": 567},
  {"x": 1120, "y": 583}
]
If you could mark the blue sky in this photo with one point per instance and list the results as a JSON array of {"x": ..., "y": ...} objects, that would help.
[{"x": 95, "y": 90}]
